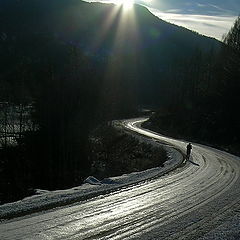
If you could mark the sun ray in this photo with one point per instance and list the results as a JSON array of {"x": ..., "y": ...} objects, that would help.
[
  {"x": 124, "y": 54},
  {"x": 106, "y": 26}
]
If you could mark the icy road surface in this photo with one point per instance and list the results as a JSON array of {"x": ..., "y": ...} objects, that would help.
[{"x": 200, "y": 200}]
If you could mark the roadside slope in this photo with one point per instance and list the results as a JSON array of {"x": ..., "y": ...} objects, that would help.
[{"x": 44, "y": 200}]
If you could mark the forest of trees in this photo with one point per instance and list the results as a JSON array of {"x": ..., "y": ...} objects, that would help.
[
  {"x": 54, "y": 89},
  {"x": 47, "y": 112},
  {"x": 203, "y": 97},
  {"x": 49, "y": 124}
]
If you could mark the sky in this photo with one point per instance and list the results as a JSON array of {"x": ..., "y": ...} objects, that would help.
[{"x": 212, "y": 18}]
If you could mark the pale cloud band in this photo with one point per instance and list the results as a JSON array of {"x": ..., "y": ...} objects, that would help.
[{"x": 212, "y": 26}]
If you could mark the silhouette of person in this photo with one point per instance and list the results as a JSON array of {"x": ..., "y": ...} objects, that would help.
[{"x": 189, "y": 149}]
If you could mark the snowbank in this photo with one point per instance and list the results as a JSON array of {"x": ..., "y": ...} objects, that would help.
[{"x": 91, "y": 188}]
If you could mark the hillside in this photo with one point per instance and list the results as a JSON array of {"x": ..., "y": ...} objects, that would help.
[{"x": 137, "y": 47}]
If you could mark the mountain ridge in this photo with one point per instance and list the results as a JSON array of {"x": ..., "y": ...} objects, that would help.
[{"x": 136, "y": 46}]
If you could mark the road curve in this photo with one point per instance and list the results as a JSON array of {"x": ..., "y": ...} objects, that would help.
[{"x": 188, "y": 203}]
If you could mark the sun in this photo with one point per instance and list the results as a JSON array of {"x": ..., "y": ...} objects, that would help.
[{"x": 126, "y": 4}]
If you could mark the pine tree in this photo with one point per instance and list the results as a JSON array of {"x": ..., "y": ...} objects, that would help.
[
  {"x": 231, "y": 78},
  {"x": 232, "y": 54},
  {"x": 232, "y": 39}
]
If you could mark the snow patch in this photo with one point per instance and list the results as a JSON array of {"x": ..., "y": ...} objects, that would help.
[
  {"x": 41, "y": 191},
  {"x": 92, "y": 180}
]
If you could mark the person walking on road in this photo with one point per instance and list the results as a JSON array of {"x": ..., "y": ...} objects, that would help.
[{"x": 189, "y": 149}]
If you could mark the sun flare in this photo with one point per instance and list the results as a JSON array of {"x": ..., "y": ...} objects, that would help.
[{"x": 126, "y": 4}]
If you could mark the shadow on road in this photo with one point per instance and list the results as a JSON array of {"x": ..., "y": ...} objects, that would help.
[{"x": 196, "y": 164}]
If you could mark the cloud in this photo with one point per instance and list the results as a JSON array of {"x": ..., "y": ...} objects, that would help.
[
  {"x": 212, "y": 26},
  {"x": 174, "y": 11},
  {"x": 202, "y": 5}
]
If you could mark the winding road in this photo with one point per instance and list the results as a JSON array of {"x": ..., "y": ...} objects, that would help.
[{"x": 199, "y": 200}]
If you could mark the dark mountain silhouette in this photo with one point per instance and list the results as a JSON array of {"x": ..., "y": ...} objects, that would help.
[{"x": 137, "y": 51}]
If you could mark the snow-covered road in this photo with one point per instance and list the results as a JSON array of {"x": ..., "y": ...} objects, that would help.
[{"x": 200, "y": 200}]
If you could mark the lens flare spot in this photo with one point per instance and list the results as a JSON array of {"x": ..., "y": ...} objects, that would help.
[{"x": 126, "y": 4}]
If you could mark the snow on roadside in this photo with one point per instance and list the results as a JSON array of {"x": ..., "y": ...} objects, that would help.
[{"x": 49, "y": 199}]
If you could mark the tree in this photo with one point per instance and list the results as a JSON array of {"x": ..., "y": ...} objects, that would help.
[
  {"x": 232, "y": 55},
  {"x": 232, "y": 39},
  {"x": 64, "y": 112},
  {"x": 230, "y": 79},
  {"x": 231, "y": 63}
]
